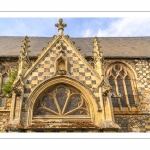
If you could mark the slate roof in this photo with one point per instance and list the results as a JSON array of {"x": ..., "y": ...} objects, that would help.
[{"x": 115, "y": 47}]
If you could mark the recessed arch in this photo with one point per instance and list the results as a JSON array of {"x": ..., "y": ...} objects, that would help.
[{"x": 86, "y": 94}]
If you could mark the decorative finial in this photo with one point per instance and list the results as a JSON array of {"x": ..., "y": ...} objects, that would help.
[{"x": 60, "y": 26}]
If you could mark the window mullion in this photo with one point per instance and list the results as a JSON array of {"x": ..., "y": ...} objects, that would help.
[
  {"x": 126, "y": 95},
  {"x": 57, "y": 105}
]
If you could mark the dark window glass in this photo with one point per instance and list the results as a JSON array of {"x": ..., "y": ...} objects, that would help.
[
  {"x": 122, "y": 72},
  {"x": 129, "y": 91},
  {"x": 117, "y": 67},
  {"x": 112, "y": 83},
  {"x": 121, "y": 91},
  {"x": 61, "y": 100},
  {"x": 2, "y": 102},
  {"x": 113, "y": 72}
]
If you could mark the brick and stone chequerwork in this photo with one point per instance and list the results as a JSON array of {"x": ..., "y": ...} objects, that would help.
[{"x": 99, "y": 84}]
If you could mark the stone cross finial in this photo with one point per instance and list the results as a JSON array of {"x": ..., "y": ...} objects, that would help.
[{"x": 60, "y": 26}]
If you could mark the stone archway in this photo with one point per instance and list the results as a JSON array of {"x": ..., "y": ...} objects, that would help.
[{"x": 86, "y": 94}]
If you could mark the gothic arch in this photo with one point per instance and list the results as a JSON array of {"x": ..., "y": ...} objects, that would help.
[
  {"x": 124, "y": 63},
  {"x": 123, "y": 81},
  {"x": 86, "y": 93}
]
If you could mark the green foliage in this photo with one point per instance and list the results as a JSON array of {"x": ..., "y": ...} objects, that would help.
[{"x": 7, "y": 86}]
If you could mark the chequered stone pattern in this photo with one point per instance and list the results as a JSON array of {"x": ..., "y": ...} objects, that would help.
[
  {"x": 45, "y": 69},
  {"x": 42, "y": 71},
  {"x": 133, "y": 123},
  {"x": 142, "y": 69},
  {"x": 80, "y": 71}
]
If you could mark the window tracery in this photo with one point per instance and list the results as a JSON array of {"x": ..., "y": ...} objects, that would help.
[
  {"x": 122, "y": 81},
  {"x": 3, "y": 79},
  {"x": 61, "y": 100}
]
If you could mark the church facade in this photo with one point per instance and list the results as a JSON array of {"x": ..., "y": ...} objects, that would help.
[{"x": 64, "y": 84}]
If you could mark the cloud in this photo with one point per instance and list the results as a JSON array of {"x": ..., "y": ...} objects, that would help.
[
  {"x": 27, "y": 26},
  {"x": 87, "y": 33},
  {"x": 77, "y": 27},
  {"x": 127, "y": 27}
]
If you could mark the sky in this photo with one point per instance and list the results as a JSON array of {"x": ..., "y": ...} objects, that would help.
[{"x": 76, "y": 27}]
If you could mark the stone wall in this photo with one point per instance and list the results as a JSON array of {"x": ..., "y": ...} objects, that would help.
[
  {"x": 129, "y": 123},
  {"x": 4, "y": 117},
  {"x": 133, "y": 123}
]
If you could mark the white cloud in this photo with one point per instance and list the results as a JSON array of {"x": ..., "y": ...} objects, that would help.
[
  {"x": 27, "y": 26},
  {"x": 87, "y": 33},
  {"x": 127, "y": 27},
  {"x": 89, "y": 27}
]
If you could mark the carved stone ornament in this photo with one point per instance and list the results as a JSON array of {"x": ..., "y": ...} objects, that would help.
[
  {"x": 18, "y": 85},
  {"x": 61, "y": 72},
  {"x": 61, "y": 47},
  {"x": 60, "y": 26},
  {"x": 115, "y": 95},
  {"x": 105, "y": 87}
]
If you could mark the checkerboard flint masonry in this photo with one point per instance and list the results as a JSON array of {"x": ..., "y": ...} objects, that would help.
[{"x": 64, "y": 84}]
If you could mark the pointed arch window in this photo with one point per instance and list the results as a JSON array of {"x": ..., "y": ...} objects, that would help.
[
  {"x": 3, "y": 79},
  {"x": 122, "y": 81}
]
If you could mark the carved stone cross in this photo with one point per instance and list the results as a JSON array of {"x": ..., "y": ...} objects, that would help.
[{"x": 60, "y": 26}]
